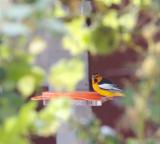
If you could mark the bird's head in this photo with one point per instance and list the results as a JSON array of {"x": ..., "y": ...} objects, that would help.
[{"x": 96, "y": 78}]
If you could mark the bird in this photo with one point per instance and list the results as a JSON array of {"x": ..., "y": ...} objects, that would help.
[{"x": 105, "y": 88}]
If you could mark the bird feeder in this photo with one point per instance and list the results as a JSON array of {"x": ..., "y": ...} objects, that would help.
[{"x": 78, "y": 97}]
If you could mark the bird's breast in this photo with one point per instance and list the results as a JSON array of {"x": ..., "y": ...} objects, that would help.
[{"x": 102, "y": 91}]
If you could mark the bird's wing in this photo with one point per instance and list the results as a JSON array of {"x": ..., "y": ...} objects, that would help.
[
  {"x": 106, "y": 81},
  {"x": 109, "y": 87}
]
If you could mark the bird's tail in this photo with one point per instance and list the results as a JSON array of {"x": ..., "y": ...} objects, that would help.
[{"x": 118, "y": 94}]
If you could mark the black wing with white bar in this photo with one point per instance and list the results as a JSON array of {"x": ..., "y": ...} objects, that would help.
[{"x": 109, "y": 87}]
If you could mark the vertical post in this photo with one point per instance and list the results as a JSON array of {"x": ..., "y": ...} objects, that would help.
[{"x": 82, "y": 113}]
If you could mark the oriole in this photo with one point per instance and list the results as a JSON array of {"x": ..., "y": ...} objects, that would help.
[{"x": 104, "y": 88}]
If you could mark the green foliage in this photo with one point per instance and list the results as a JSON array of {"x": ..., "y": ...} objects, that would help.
[
  {"x": 26, "y": 85},
  {"x": 110, "y": 2},
  {"x": 103, "y": 40},
  {"x": 19, "y": 12},
  {"x": 111, "y": 19},
  {"x": 2, "y": 74},
  {"x": 20, "y": 77},
  {"x": 16, "y": 125},
  {"x": 10, "y": 104},
  {"x": 27, "y": 121},
  {"x": 51, "y": 118},
  {"x": 142, "y": 2},
  {"x": 128, "y": 101},
  {"x": 91, "y": 132},
  {"x": 76, "y": 41},
  {"x": 66, "y": 74},
  {"x": 147, "y": 141}
]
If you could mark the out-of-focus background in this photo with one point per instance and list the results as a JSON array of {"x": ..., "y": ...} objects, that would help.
[{"x": 57, "y": 45}]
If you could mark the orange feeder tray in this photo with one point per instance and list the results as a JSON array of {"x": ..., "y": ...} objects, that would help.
[{"x": 80, "y": 97}]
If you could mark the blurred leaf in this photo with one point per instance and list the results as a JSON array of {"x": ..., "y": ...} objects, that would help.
[
  {"x": 13, "y": 74},
  {"x": 129, "y": 97},
  {"x": 66, "y": 74},
  {"x": 142, "y": 2},
  {"x": 128, "y": 20},
  {"x": 20, "y": 124},
  {"x": 126, "y": 37},
  {"x": 110, "y": 2},
  {"x": 151, "y": 141},
  {"x": 4, "y": 52},
  {"x": 37, "y": 46},
  {"x": 31, "y": 1},
  {"x": 55, "y": 25},
  {"x": 145, "y": 141},
  {"x": 43, "y": 4},
  {"x": 76, "y": 40},
  {"x": 2, "y": 74},
  {"x": 26, "y": 118},
  {"x": 58, "y": 10},
  {"x": 133, "y": 141},
  {"x": 154, "y": 112},
  {"x": 56, "y": 112},
  {"x": 39, "y": 74},
  {"x": 111, "y": 19},
  {"x": 26, "y": 85},
  {"x": 14, "y": 29},
  {"x": 149, "y": 66},
  {"x": 155, "y": 5},
  {"x": 19, "y": 11},
  {"x": 10, "y": 103},
  {"x": 111, "y": 140},
  {"x": 157, "y": 93},
  {"x": 23, "y": 121},
  {"x": 61, "y": 108},
  {"x": 103, "y": 40}
]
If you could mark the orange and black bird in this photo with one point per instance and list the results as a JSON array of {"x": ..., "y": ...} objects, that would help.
[{"x": 105, "y": 88}]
